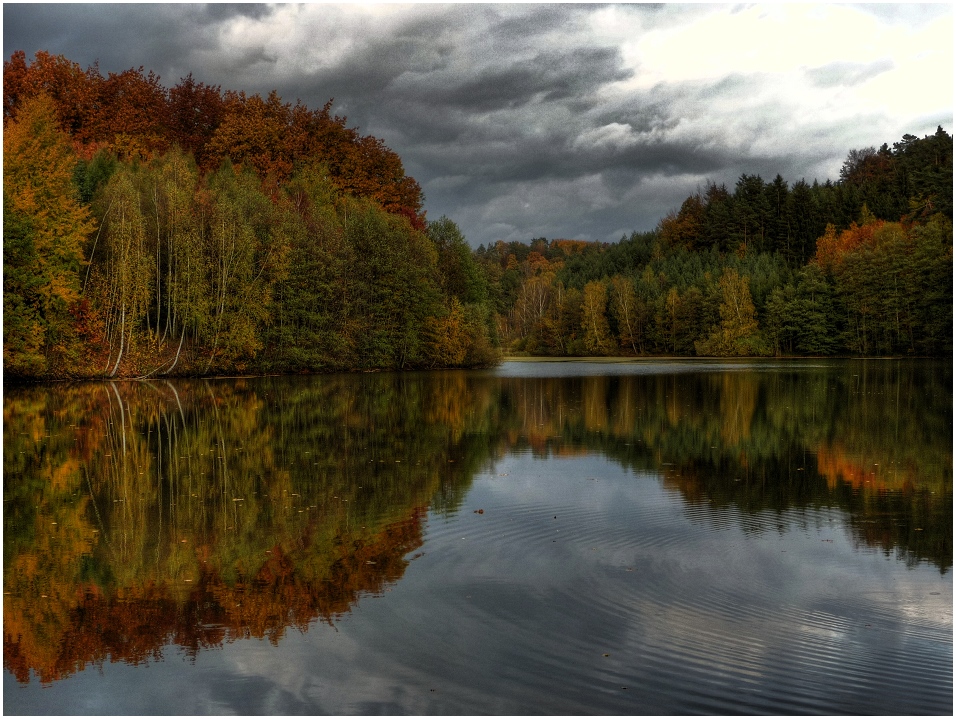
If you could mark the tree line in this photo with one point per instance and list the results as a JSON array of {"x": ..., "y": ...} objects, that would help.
[
  {"x": 190, "y": 230},
  {"x": 861, "y": 266},
  {"x": 153, "y": 231}
]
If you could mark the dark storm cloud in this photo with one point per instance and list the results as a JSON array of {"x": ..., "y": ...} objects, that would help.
[
  {"x": 549, "y": 75},
  {"x": 117, "y": 37},
  {"x": 518, "y": 120}
]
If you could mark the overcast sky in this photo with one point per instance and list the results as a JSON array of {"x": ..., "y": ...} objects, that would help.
[{"x": 557, "y": 121}]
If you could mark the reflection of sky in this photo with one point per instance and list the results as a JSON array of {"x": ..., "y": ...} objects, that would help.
[
  {"x": 560, "y": 367},
  {"x": 513, "y": 611}
]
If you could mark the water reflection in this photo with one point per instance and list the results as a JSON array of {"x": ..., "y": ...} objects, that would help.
[
  {"x": 196, "y": 513},
  {"x": 871, "y": 438},
  {"x": 137, "y": 515}
]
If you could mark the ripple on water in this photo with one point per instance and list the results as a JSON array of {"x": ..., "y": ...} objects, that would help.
[{"x": 581, "y": 590}]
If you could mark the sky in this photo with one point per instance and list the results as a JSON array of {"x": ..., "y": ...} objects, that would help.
[{"x": 577, "y": 121}]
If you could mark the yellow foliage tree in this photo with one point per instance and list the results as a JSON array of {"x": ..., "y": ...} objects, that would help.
[
  {"x": 38, "y": 164},
  {"x": 597, "y": 334},
  {"x": 738, "y": 333}
]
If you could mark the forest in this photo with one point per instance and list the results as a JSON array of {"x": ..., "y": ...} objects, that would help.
[
  {"x": 156, "y": 231},
  {"x": 191, "y": 230},
  {"x": 858, "y": 267}
]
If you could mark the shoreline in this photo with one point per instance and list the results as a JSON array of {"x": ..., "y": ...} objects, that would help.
[
  {"x": 523, "y": 359},
  {"x": 683, "y": 358}
]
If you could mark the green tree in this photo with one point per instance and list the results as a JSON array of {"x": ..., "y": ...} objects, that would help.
[
  {"x": 246, "y": 258},
  {"x": 812, "y": 313},
  {"x": 23, "y": 330},
  {"x": 779, "y": 324},
  {"x": 394, "y": 290},
  {"x": 458, "y": 275},
  {"x": 570, "y": 319},
  {"x": 932, "y": 293},
  {"x": 313, "y": 300}
]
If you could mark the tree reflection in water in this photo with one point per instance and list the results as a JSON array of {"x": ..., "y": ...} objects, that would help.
[{"x": 192, "y": 513}]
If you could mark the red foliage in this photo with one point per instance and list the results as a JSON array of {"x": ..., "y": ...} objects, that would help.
[
  {"x": 833, "y": 247},
  {"x": 195, "y": 112},
  {"x": 133, "y": 115}
]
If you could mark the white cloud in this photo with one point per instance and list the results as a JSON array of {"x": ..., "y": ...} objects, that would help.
[{"x": 611, "y": 136}]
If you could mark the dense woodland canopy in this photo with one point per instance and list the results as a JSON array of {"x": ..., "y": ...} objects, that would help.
[
  {"x": 861, "y": 266},
  {"x": 189, "y": 230},
  {"x": 154, "y": 230}
]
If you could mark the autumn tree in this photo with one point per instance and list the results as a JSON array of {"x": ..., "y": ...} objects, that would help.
[
  {"x": 684, "y": 228},
  {"x": 129, "y": 114},
  {"x": 253, "y": 130},
  {"x": 629, "y": 312},
  {"x": 70, "y": 89},
  {"x": 246, "y": 258},
  {"x": 44, "y": 248},
  {"x": 737, "y": 334},
  {"x": 194, "y": 114},
  {"x": 121, "y": 281},
  {"x": 597, "y": 334}
]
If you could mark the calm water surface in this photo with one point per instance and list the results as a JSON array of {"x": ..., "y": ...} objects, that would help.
[{"x": 546, "y": 537}]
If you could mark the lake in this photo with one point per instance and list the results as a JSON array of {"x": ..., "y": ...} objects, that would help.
[{"x": 641, "y": 537}]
